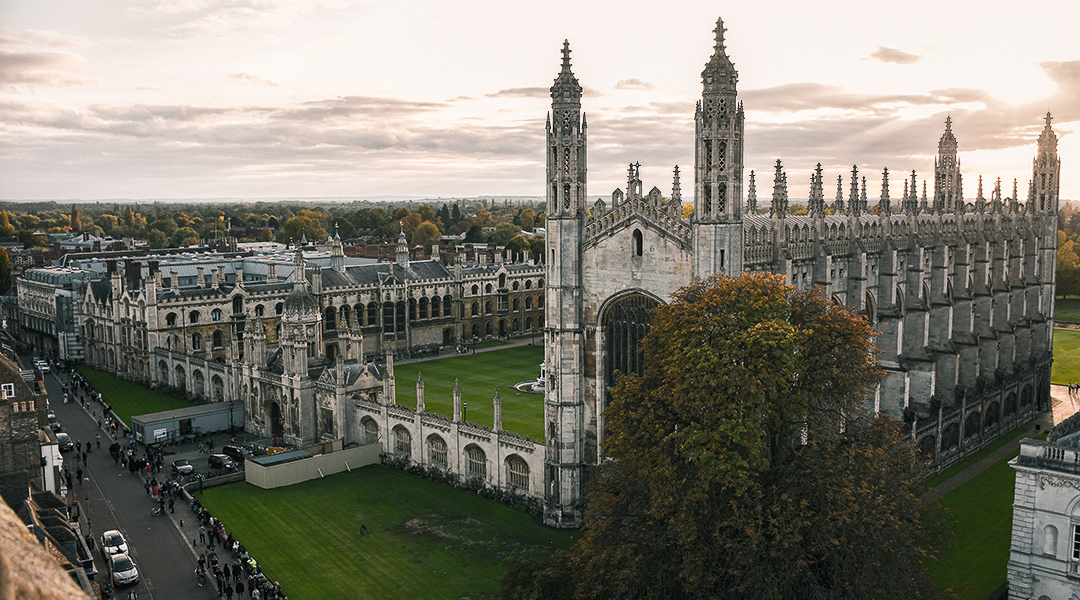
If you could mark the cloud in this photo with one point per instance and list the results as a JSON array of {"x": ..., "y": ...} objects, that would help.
[
  {"x": 633, "y": 84},
  {"x": 40, "y": 68},
  {"x": 892, "y": 55},
  {"x": 521, "y": 92},
  {"x": 256, "y": 80}
]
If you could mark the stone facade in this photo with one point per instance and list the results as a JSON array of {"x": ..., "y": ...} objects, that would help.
[
  {"x": 1044, "y": 556},
  {"x": 297, "y": 343},
  {"x": 961, "y": 292}
]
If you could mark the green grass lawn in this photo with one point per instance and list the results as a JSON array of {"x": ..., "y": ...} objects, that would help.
[
  {"x": 128, "y": 399},
  {"x": 479, "y": 374},
  {"x": 1066, "y": 357},
  {"x": 1067, "y": 310},
  {"x": 425, "y": 540},
  {"x": 974, "y": 458},
  {"x": 981, "y": 510}
]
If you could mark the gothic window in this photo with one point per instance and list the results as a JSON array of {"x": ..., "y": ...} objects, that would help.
[
  {"x": 638, "y": 243},
  {"x": 436, "y": 451},
  {"x": 476, "y": 462},
  {"x": 721, "y": 200},
  {"x": 566, "y": 119},
  {"x": 278, "y": 308},
  {"x": 435, "y": 307},
  {"x": 707, "y": 201},
  {"x": 528, "y": 302},
  {"x": 259, "y": 310},
  {"x": 447, "y": 305},
  {"x": 371, "y": 431},
  {"x": 196, "y": 341},
  {"x": 372, "y": 313},
  {"x": 566, "y": 161},
  {"x": 721, "y": 155},
  {"x": 518, "y": 471},
  {"x": 474, "y": 309},
  {"x": 170, "y": 320},
  {"x": 425, "y": 309},
  {"x": 237, "y": 304},
  {"x": 516, "y": 305},
  {"x": 475, "y": 290},
  {"x": 487, "y": 307},
  {"x": 566, "y": 196},
  {"x": 625, "y": 323},
  {"x": 515, "y": 286},
  {"x": 708, "y": 160},
  {"x": 219, "y": 339},
  {"x": 193, "y": 317},
  {"x": 487, "y": 288},
  {"x": 540, "y": 301},
  {"x": 528, "y": 284},
  {"x": 402, "y": 442},
  {"x": 723, "y": 111}
]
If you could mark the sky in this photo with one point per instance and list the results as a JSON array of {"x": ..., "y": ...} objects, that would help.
[{"x": 184, "y": 99}]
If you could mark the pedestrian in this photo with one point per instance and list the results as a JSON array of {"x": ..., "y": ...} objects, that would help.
[
  {"x": 202, "y": 448},
  {"x": 146, "y": 486},
  {"x": 202, "y": 534},
  {"x": 98, "y": 436},
  {"x": 78, "y": 475},
  {"x": 228, "y": 591},
  {"x": 78, "y": 446},
  {"x": 78, "y": 460},
  {"x": 239, "y": 590},
  {"x": 171, "y": 505}
]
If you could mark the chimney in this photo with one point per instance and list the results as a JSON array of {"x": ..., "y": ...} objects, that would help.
[
  {"x": 200, "y": 277},
  {"x": 239, "y": 276},
  {"x": 271, "y": 273}
]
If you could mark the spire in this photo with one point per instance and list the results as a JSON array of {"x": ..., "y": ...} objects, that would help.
[
  {"x": 995, "y": 197},
  {"x": 924, "y": 205},
  {"x": 980, "y": 200},
  {"x": 911, "y": 197},
  {"x": 885, "y": 205},
  {"x": 497, "y": 401},
  {"x": 780, "y": 194},
  {"x": 675, "y": 205},
  {"x": 1046, "y": 171},
  {"x": 751, "y": 200},
  {"x": 719, "y": 74},
  {"x": 854, "y": 208},
  {"x": 457, "y": 400},
  {"x": 402, "y": 254},
  {"x": 1013, "y": 206},
  {"x": 566, "y": 88},
  {"x": 420, "y": 392},
  {"x": 817, "y": 194},
  {"x": 838, "y": 207}
]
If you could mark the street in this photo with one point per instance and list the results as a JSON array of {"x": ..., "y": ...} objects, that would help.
[{"x": 112, "y": 498}]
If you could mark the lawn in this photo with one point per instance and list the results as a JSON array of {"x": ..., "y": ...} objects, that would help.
[
  {"x": 974, "y": 458},
  {"x": 129, "y": 399},
  {"x": 1067, "y": 310},
  {"x": 424, "y": 540},
  {"x": 1066, "y": 357},
  {"x": 981, "y": 510},
  {"x": 479, "y": 374}
]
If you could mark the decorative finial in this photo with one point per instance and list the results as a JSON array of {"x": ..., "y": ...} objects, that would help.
[
  {"x": 719, "y": 31},
  {"x": 566, "y": 56}
]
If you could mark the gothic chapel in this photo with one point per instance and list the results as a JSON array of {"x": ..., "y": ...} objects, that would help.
[{"x": 961, "y": 293}]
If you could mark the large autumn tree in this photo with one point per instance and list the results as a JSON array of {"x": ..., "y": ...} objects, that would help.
[{"x": 745, "y": 464}]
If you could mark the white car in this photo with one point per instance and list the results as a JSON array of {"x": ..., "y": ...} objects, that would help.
[
  {"x": 113, "y": 542},
  {"x": 122, "y": 570}
]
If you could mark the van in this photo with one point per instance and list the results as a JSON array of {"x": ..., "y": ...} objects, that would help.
[{"x": 237, "y": 453}]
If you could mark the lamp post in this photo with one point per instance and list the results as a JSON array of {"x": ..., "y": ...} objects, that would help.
[{"x": 465, "y": 411}]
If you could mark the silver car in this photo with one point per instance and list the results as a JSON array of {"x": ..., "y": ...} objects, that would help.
[
  {"x": 122, "y": 570},
  {"x": 113, "y": 542}
]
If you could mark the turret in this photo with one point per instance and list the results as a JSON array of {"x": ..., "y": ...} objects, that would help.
[
  {"x": 948, "y": 188},
  {"x": 1046, "y": 171}
]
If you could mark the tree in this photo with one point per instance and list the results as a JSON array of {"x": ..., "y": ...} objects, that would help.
[
  {"x": 527, "y": 219},
  {"x": 6, "y": 228},
  {"x": 306, "y": 223},
  {"x": 76, "y": 222},
  {"x": 504, "y": 232},
  {"x": 519, "y": 248},
  {"x": 1068, "y": 267},
  {"x": 745, "y": 463},
  {"x": 426, "y": 234},
  {"x": 5, "y": 272}
]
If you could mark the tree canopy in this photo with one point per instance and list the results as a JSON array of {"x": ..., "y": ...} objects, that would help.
[{"x": 745, "y": 463}]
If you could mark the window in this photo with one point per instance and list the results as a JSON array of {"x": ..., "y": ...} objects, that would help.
[
  {"x": 193, "y": 317},
  {"x": 437, "y": 451},
  {"x": 216, "y": 314},
  {"x": 528, "y": 302},
  {"x": 518, "y": 471},
  {"x": 638, "y": 242},
  {"x": 7, "y": 391},
  {"x": 259, "y": 310},
  {"x": 196, "y": 341},
  {"x": 475, "y": 290},
  {"x": 219, "y": 339},
  {"x": 1076, "y": 543},
  {"x": 371, "y": 431},
  {"x": 477, "y": 462},
  {"x": 402, "y": 441},
  {"x": 475, "y": 308},
  {"x": 487, "y": 289},
  {"x": 170, "y": 320}
]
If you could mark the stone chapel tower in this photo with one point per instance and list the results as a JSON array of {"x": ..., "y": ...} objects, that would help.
[
  {"x": 564, "y": 335},
  {"x": 948, "y": 185},
  {"x": 718, "y": 168}
]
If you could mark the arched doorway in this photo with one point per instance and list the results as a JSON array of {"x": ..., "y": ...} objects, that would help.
[{"x": 277, "y": 422}]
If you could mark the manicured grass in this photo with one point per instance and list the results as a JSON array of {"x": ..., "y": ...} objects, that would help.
[
  {"x": 129, "y": 399},
  {"x": 488, "y": 344},
  {"x": 1067, "y": 310},
  {"x": 1066, "y": 368},
  {"x": 974, "y": 458},
  {"x": 982, "y": 512},
  {"x": 478, "y": 375},
  {"x": 425, "y": 540}
]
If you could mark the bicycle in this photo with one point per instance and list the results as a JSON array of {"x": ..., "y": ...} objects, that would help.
[{"x": 157, "y": 510}]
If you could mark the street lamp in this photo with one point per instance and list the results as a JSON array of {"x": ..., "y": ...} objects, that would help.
[{"x": 465, "y": 411}]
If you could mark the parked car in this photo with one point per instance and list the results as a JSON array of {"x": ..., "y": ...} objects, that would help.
[
  {"x": 220, "y": 461},
  {"x": 54, "y": 422},
  {"x": 238, "y": 453},
  {"x": 65, "y": 441},
  {"x": 41, "y": 365},
  {"x": 113, "y": 542},
  {"x": 183, "y": 467},
  {"x": 122, "y": 570}
]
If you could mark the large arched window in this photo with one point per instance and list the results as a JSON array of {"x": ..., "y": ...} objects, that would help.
[
  {"x": 436, "y": 451},
  {"x": 476, "y": 462},
  {"x": 215, "y": 314},
  {"x": 517, "y": 473},
  {"x": 219, "y": 339},
  {"x": 402, "y": 442},
  {"x": 193, "y": 317},
  {"x": 371, "y": 430},
  {"x": 625, "y": 323}
]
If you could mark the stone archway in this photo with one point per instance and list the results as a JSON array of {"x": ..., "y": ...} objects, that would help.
[{"x": 277, "y": 422}]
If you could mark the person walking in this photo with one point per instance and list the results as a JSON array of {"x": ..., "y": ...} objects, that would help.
[
  {"x": 228, "y": 591},
  {"x": 78, "y": 475},
  {"x": 202, "y": 534}
]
